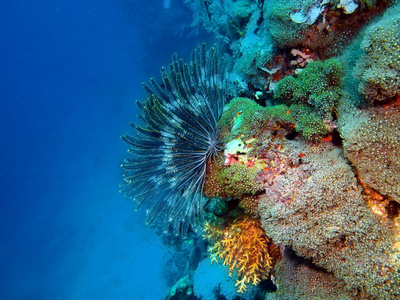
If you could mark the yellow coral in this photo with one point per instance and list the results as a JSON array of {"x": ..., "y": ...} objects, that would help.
[{"x": 243, "y": 246}]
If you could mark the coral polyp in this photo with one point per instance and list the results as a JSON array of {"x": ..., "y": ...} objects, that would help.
[{"x": 180, "y": 134}]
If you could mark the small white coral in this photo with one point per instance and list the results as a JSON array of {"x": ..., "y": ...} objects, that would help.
[
  {"x": 308, "y": 14},
  {"x": 349, "y": 6}
]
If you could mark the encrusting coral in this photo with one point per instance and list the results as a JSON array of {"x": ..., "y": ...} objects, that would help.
[
  {"x": 323, "y": 217},
  {"x": 317, "y": 85},
  {"x": 299, "y": 279},
  {"x": 379, "y": 65},
  {"x": 239, "y": 180},
  {"x": 373, "y": 147},
  {"x": 246, "y": 119},
  {"x": 232, "y": 180},
  {"x": 322, "y": 25},
  {"x": 242, "y": 245}
]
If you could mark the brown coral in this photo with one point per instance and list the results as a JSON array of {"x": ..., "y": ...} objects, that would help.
[
  {"x": 298, "y": 279},
  {"x": 374, "y": 147},
  {"x": 379, "y": 66},
  {"x": 327, "y": 221},
  {"x": 212, "y": 188},
  {"x": 243, "y": 246}
]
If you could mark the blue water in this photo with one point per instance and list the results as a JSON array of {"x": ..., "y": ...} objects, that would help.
[{"x": 70, "y": 72}]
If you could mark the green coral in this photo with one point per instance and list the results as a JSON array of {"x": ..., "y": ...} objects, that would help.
[
  {"x": 242, "y": 117},
  {"x": 317, "y": 86},
  {"x": 313, "y": 96},
  {"x": 245, "y": 118},
  {"x": 239, "y": 180},
  {"x": 309, "y": 123},
  {"x": 284, "y": 31},
  {"x": 306, "y": 120}
]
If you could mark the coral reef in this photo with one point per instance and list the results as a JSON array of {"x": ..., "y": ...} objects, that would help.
[
  {"x": 180, "y": 135},
  {"x": 212, "y": 188},
  {"x": 321, "y": 25},
  {"x": 280, "y": 24},
  {"x": 313, "y": 96},
  {"x": 246, "y": 119},
  {"x": 298, "y": 176},
  {"x": 242, "y": 118},
  {"x": 232, "y": 180},
  {"x": 242, "y": 245}
]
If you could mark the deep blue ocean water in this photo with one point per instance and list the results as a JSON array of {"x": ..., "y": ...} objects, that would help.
[{"x": 70, "y": 73}]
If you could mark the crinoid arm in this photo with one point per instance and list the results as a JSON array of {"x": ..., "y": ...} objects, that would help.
[{"x": 169, "y": 152}]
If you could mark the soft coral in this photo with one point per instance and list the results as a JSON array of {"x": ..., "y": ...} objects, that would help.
[{"x": 243, "y": 246}]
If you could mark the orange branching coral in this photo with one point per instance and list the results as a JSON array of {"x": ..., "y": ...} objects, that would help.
[{"x": 243, "y": 246}]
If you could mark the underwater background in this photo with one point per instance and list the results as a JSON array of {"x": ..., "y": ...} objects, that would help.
[
  {"x": 264, "y": 154},
  {"x": 71, "y": 72}
]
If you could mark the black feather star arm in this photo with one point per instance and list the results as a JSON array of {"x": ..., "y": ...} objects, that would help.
[{"x": 169, "y": 152}]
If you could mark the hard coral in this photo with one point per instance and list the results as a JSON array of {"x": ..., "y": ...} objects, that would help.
[
  {"x": 243, "y": 118},
  {"x": 318, "y": 85},
  {"x": 231, "y": 180},
  {"x": 246, "y": 119},
  {"x": 212, "y": 188},
  {"x": 313, "y": 96},
  {"x": 373, "y": 147},
  {"x": 321, "y": 25},
  {"x": 239, "y": 180},
  {"x": 242, "y": 245},
  {"x": 298, "y": 279},
  {"x": 379, "y": 66},
  {"x": 325, "y": 218},
  {"x": 281, "y": 27}
]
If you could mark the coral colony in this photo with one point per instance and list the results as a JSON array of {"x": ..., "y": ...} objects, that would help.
[{"x": 270, "y": 163}]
